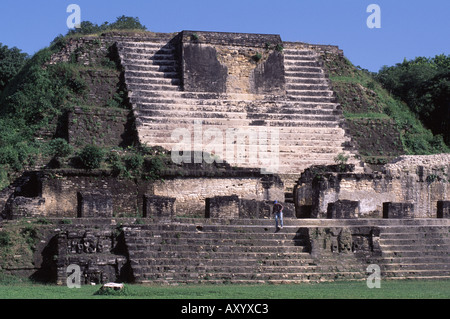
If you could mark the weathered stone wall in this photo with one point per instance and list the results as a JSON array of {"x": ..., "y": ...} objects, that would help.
[
  {"x": 96, "y": 61},
  {"x": 190, "y": 193},
  {"x": 232, "y": 63},
  {"x": 330, "y": 242},
  {"x": 60, "y": 188},
  {"x": 84, "y": 50},
  {"x": 100, "y": 126},
  {"x": 72, "y": 193},
  {"x": 233, "y": 207},
  {"x": 421, "y": 180},
  {"x": 91, "y": 250}
]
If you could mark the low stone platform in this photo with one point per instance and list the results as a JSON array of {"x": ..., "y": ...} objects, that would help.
[
  {"x": 211, "y": 250},
  {"x": 250, "y": 251}
]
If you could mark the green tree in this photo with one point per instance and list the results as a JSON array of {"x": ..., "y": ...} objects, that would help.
[
  {"x": 11, "y": 61},
  {"x": 60, "y": 148},
  {"x": 127, "y": 23},
  {"x": 424, "y": 85},
  {"x": 121, "y": 23},
  {"x": 91, "y": 156}
]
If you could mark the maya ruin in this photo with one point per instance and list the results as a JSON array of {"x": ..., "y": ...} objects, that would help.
[{"x": 235, "y": 121}]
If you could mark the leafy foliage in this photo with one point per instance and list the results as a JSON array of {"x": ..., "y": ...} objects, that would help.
[
  {"x": 60, "y": 148},
  {"x": 11, "y": 61},
  {"x": 122, "y": 23},
  {"x": 424, "y": 85},
  {"x": 35, "y": 94},
  {"x": 5, "y": 239},
  {"x": 91, "y": 156},
  {"x": 31, "y": 102},
  {"x": 372, "y": 97}
]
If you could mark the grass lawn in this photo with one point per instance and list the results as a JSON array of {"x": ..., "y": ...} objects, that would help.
[{"x": 398, "y": 289}]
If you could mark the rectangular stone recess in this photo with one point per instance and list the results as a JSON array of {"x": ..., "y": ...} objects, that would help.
[
  {"x": 443, "y": 209},
  {"x": 222, "y": 207},
  {"x": 202, "y": 70},
  {"x": 159, "y": 206},
  {"x": 343, "y": 209},
  {"x": 94, "y": 204},
  {"x": 398, "y": 210},
  {"x": 252, "y": 208}
]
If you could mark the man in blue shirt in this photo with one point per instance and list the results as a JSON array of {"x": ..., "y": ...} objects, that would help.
[{"x": 278, "y": 211}]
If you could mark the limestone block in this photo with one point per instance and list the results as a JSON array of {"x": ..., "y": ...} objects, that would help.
[
  {"x": 343, "y": 209},
  {"x": 21, "y": 207},
  {"x": 95, "y": 204},
  {"x": 252, "y": 208},
  {"x": 159, "y": 206},
  {"x": 398, "y": 210},
  {"x": 222, "y": 207}
]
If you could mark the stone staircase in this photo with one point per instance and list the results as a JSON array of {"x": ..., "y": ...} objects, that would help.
[
  {"x": 250, "y": 251},
  {"x": 191, "y": 253},
  {"x": 307, "y": 118},
  {"x": 416, "y": 251}
]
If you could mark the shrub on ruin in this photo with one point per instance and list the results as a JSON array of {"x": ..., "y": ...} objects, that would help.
[
  {"x": 257, "y": 57},
  {"x": 116, "y": 163},
  {"x": 5, "y": 239},
  {"x": 133, "y": 162},
  {"x": 91, "y": 157},
  {"x": 60, "y": 148},
  {"x": 153, "y": 167}
]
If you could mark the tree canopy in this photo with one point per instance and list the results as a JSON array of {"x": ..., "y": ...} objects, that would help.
[
  {"x": 121, "y": 23},
  {"x": 424, "y": 85},
  {"x": 11, "y": 61}
]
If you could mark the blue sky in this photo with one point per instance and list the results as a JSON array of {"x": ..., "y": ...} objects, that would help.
[{"x": 409, "y": 28}]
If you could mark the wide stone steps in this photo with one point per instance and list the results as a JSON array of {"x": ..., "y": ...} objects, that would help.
[
  {"x": 152, "y": 53},
  {"x": 297, "y": 138},
  {"x": 388, "y": 226},
  {"x": 296, "y": 86},
  {"x": 248, "y": 250},
  {"x": 150, "y": 68},
  {"x": 301, "y": 62},
  {"x": 145, "y": 72},
  {"x": 292, "y": 145},
  {"x": 232, "y": 106},
  {"x": 296, "y": 67},
  {"x": 200, "y": 240},
  {"x": 295, "y": 77},
  {"x": 248, "y": 278},
  {"x": 311, "y": 93},
  {"x": 140, "y": 250},
  {"x": 196, "y": 114},
  {"x": 153, "y": 43},
  {"x": 157, "y": 57},
  {"x": 133, "y": 80},
  {"x": 239, "y": 123},
  {"x": 275, "y": 110},
  {"x": 227, "y": 262},
  {"x": 163, "y": 270},
  {"x": 152, "y": 74},
  {"x": 318, "y": 77},
  {"x": 307, "y": 132},
  {"x": 136, "y": 87},
  {"x": 263, "y": 235},
  {"x": 316, "y": 99},
  {"x": 172, "y": 99},
  {"x": 255, "y": 153},
  {"x": 146, "y": 48},
  {"x": 298, "y": 52},
  {"x": 415, "y": 251}
]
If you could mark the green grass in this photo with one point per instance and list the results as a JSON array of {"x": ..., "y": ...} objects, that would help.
[
  {"x": 401, "y": 289},
  {"x": 369, "y": 115}
]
